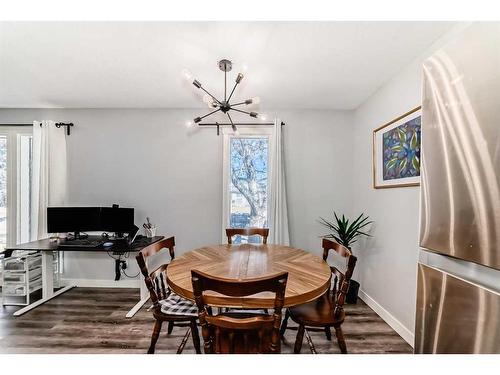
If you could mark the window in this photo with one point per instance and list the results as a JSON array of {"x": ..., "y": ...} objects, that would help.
[
  {"x": 15, "y": 184},
  {"x": 246, "y": 180}
]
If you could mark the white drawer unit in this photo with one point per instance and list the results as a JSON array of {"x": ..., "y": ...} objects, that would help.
[
  {"x": 21, "y": 276},
  {"x": 22, "y": 263}
]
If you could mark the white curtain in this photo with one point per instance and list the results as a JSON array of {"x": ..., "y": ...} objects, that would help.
[
  {"x": 278, "y": 233},
  {"x": 49, "y": 174}
]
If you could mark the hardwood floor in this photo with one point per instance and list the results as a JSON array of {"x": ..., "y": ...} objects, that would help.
[{"x": 92, "y": 320}]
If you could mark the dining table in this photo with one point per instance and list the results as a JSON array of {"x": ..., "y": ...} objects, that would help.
[{"x": 309, "y": 276}]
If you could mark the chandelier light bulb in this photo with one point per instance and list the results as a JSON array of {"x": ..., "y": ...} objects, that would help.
[
  {"x": 186, "y": 74},
  {"x": 262, "y": 116},
  {"x": 255, "y": 100},
  {"x": 208, "y": 99},
  {"x": 239, "y": 77},
  {"x": 189, "y": 124}
]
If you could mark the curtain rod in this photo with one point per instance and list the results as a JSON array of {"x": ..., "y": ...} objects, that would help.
[
  {"x": 16, "y": 124},
  {"x": 58, "y": 125},
  {"x": 219, "y": 124},
  {"x": 237, "y": 123}
]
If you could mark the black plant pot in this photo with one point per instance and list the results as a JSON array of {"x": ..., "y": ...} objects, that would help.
[{"x": 352, "y": 292}]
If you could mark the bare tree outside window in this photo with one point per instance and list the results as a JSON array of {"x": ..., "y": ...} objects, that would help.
[{"x": 249, "y": 178}]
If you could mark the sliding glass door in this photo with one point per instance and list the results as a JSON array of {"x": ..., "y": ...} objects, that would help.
[{"x": 15, "y": 184}]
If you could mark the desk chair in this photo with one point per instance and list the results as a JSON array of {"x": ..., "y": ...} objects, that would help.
[
  {"x": 326, "y": 311},
  {"x": 237, "y": 332},
  {"x": 167, "y": 306}
]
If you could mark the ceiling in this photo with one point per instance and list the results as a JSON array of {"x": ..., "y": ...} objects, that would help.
[{"x": 328, "y": 65}]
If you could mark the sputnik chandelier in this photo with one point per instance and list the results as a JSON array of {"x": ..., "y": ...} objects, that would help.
[{"x": 225, "y": 106}]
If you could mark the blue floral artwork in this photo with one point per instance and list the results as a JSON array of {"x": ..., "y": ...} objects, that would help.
[{"x": 401, "y": 150}]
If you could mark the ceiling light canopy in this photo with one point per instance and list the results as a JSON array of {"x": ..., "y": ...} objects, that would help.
[{"x": 225, "y": 106}]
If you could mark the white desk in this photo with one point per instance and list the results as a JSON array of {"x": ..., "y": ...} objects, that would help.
[{"x": 47, "y": 247}]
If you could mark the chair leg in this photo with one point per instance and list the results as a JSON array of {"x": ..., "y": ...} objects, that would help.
[
  {"x": 340, "y": 339},
  {"x": 299, "y": 339},
  {"x": 328, "y": 333},
  {"x": 196, "y": 336},
  {"x": 154, "y": 336},
  {"x": 170, "y": 327},
  {"x": 285, "y": 323}
]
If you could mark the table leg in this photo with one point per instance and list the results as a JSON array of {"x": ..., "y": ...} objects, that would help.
[
  {"x": 42, "y": 301},
  {"x": 47, "y": 284},
  {"x": 144, "y": 293}
]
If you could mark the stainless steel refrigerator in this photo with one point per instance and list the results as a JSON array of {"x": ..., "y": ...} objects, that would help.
[{"x": 458, "y": 290}]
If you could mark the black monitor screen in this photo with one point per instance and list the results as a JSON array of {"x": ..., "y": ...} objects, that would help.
[
  {"x": 89, "y": 219},
  {"x": 117, "y": 219},
  {"x": 73, "y": 219}
]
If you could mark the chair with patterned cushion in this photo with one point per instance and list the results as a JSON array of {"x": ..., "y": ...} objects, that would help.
[
  {"x": 231, "y": 232},
  {"x": 239, "y": 332},
  {"x": 326, "y": 311},
  {"x": 167, "y": 306}
]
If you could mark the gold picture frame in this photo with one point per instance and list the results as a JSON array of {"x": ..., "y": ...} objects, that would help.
[{"x": 377, "y": 159}]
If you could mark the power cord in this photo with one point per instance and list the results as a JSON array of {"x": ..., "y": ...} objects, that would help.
[{"x": 119, "y": 267}]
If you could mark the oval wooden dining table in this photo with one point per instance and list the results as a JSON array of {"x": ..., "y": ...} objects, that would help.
[{"x": 308, "y": 275}]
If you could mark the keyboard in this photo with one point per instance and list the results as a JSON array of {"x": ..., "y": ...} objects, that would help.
[{"x": 82, "y": 243}]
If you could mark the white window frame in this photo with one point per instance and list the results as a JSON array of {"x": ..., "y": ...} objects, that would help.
[
  {"x": 261, "y": 131},
  {"x": 13, "y": 139}
]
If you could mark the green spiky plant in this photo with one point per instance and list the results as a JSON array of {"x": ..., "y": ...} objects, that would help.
[{"x": 344, "y": 232}]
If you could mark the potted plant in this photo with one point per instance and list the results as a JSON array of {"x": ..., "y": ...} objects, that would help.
[{"x": 346, "y": 233}]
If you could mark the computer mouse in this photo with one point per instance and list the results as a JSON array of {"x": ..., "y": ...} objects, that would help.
[{"x": 107, "y": 244}]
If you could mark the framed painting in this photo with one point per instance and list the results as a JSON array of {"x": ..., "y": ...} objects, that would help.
[{"x": 396, "y": 151}]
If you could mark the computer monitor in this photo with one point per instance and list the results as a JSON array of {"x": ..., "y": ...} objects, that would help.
[
  {"x": 73, "y": 219},
  {"x": 89, "y": 219},
  {"x": 117, "y": 219}
]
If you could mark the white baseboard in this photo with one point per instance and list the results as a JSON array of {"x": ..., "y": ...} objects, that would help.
[
  {"x": 93, "y": 283},
  {"x": 402, "y": 331}
]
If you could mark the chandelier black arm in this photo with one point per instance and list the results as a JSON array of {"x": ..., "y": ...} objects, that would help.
[
  {"x": 239, "y": 110},
  {"x": 213, "y": 97},
  {"x": 232, "y": 123},
  {"x": 240, "y": 103},
  {"x": 232, "y": 91},
  {"x": 208, "y": 114}
]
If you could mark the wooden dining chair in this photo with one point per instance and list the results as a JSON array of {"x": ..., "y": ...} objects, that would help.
[
  {"x": 239, "y": 332},
  {"x": 167, "y": 306},
  {"x": 326, "y": 311},
  {"x": 231, "y": 232}
]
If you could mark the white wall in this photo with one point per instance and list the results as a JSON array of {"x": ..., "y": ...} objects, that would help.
[
  {"x": 146, "y": 159},
  {"x": 387, "y": 262}
]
